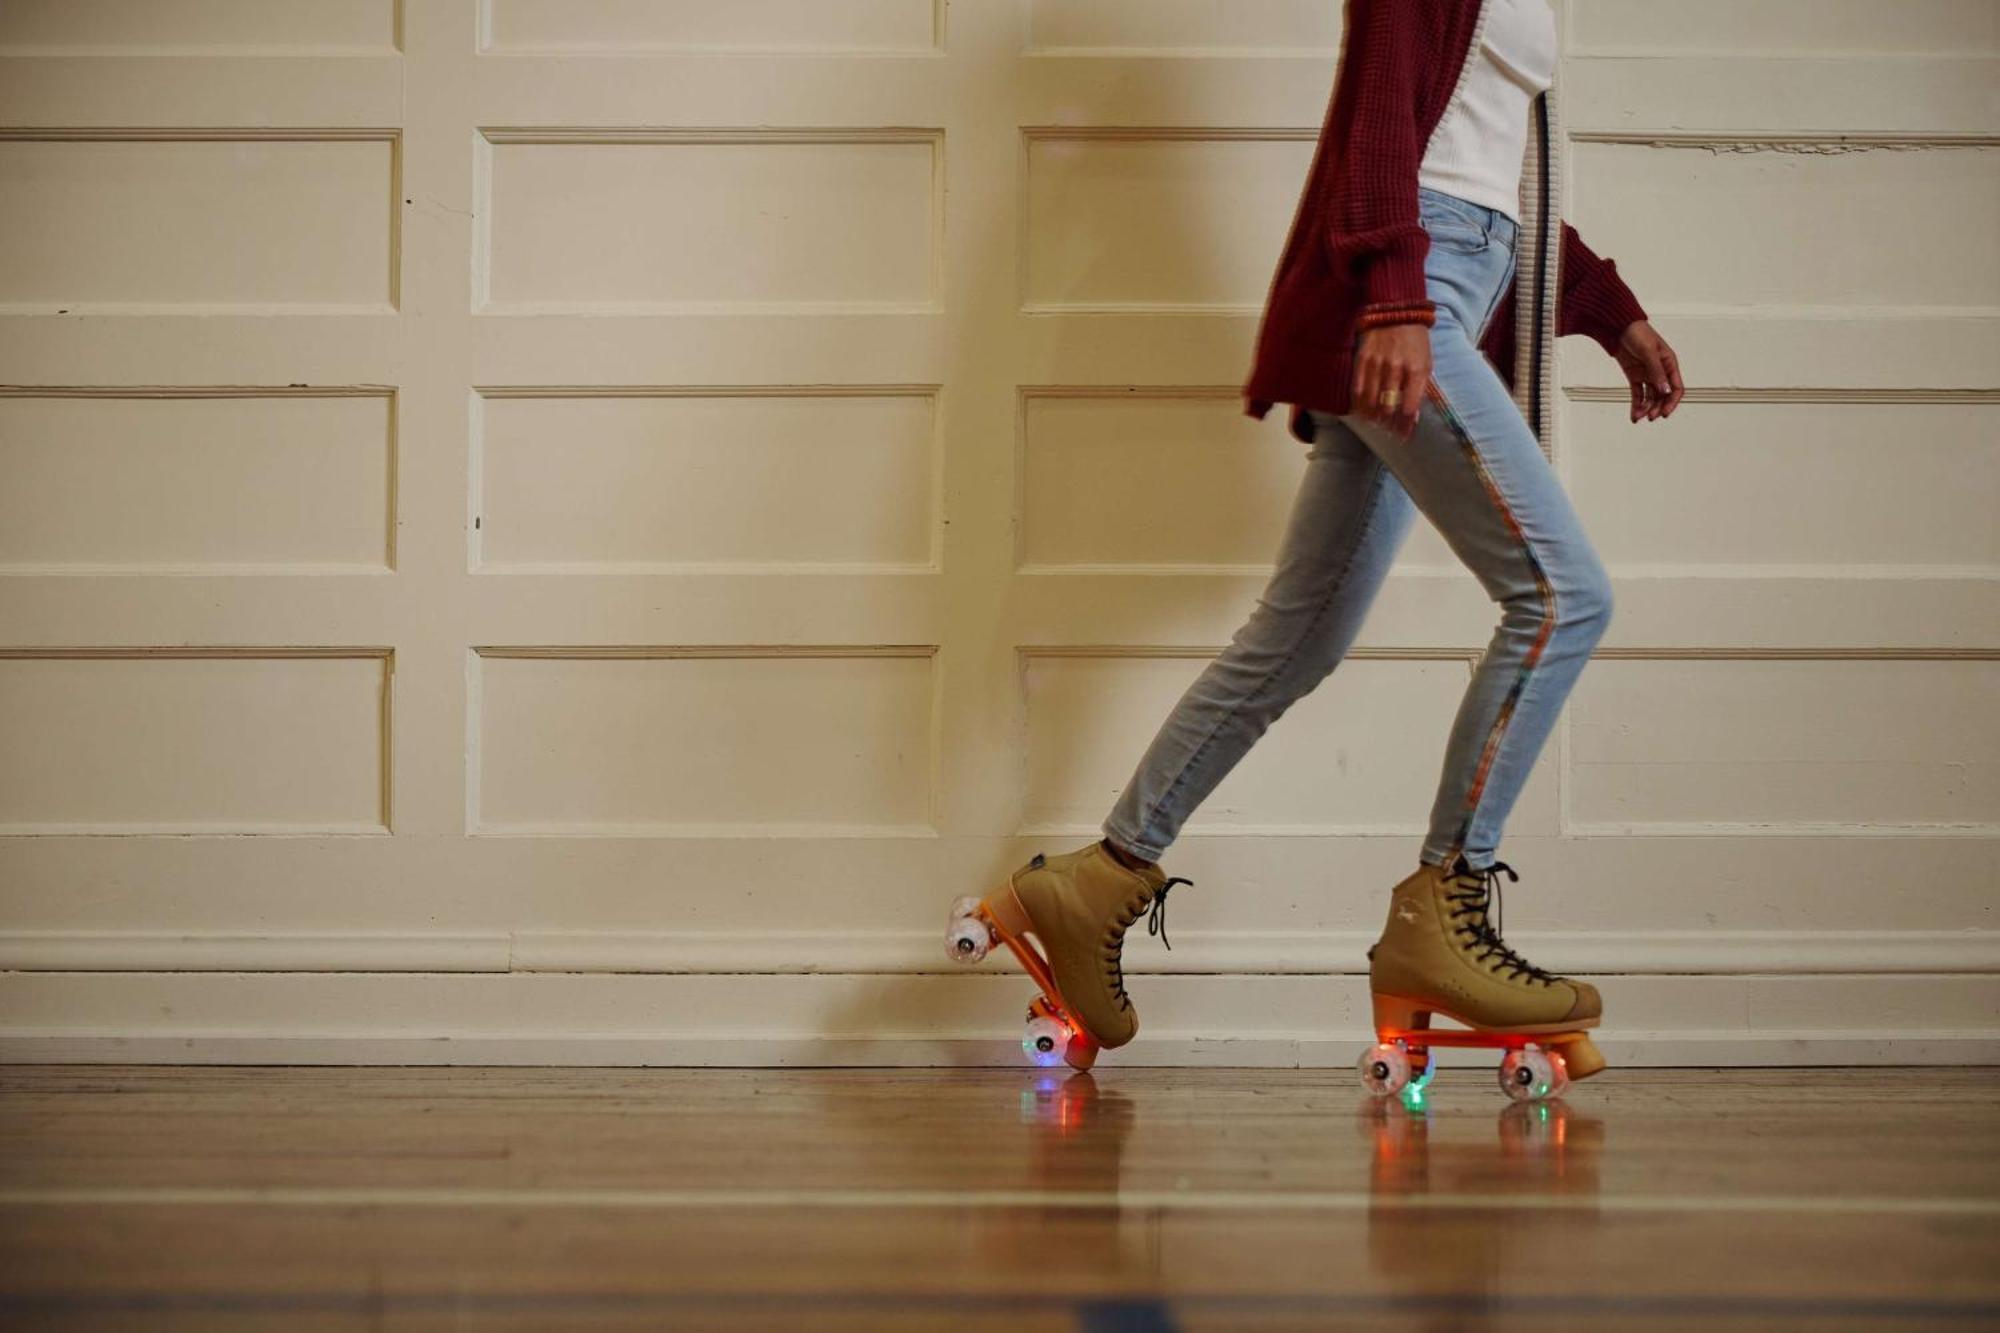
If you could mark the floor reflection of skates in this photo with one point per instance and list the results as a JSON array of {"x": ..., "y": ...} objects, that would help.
[
  {"x": 1077, "y": 1131},
  {"x": 1074, "y": 1136},
  {"x": 1052, "y": 1035},
  {"x": 1541, "y": 1149},
  {"x": 1538, "y": 1064}
]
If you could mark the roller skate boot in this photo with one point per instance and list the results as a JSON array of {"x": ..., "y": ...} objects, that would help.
[
  {"x": 1441, "y": 954},
  {"x": 1077, "y": 905}
]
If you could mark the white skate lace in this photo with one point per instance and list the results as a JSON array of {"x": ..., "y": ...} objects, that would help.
[
  {"x": 1156, "y": 924},
  {"x": 1477, "y": 893}
]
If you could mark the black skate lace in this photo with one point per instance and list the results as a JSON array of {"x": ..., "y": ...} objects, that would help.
[
  {"x": 1156, "y": 924},
  {"x": 1477, "y": 893}
]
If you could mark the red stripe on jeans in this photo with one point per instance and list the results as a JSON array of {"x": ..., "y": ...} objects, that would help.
[{"x": 1542, "y": 586}]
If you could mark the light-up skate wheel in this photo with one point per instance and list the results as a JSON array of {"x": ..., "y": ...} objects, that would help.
[
  {"x": 1561, "y": 1066},
  {"x": 1423, "y": 1068},
  {"x": 1045, "y": 1040},
  {"x": 1530, "y": 1074},
  {"x": 967, "y": 938},
  {"x": 1385, "y": 1068},
  {"x": 966, "y": 904}
]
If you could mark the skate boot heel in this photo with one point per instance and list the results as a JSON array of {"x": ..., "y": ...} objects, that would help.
[
  {"x": 1393, "y": 1013},
  {"x": 1004, "y": 906}
]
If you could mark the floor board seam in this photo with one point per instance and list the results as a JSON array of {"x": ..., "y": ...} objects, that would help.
[{"x": 1160, "y": 1200}]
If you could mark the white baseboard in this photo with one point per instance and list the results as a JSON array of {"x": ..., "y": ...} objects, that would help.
[
  {"x": 1211, "y": 1010},
  {"x": 1659, "y": 1050},
  {"x": 910, "y": 952}
]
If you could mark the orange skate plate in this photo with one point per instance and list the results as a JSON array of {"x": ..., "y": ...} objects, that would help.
[{"x": 1470, "y": 1037}]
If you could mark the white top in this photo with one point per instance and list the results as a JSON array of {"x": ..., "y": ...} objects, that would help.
[{"x": 1477, "y": 150}]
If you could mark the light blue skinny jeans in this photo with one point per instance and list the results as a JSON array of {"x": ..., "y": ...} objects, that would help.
[{"x": 1476, "y": 471}]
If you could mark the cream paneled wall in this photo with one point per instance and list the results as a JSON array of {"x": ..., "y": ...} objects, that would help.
[{"x": 569, "y": 529}]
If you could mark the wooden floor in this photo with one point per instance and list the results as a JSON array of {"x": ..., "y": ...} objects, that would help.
[{"x": 1135, "y": 1199}]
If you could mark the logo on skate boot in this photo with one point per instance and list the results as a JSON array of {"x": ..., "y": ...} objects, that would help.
[{"x": 1407, "y": 911}]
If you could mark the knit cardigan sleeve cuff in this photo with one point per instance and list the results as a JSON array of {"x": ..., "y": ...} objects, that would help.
[
  {"x": 1605, "y": 309},
  {"x": 1595, "y": 301},
  {"x": 1375, "y": 316},
  {"x": 1393, "y": 275}
]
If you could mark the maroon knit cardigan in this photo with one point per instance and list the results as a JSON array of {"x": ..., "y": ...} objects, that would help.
[{"x": 1356, "y": 243}]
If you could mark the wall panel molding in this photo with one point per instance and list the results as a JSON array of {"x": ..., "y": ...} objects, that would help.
[
  {"x": 1912, "y": 396},
  {"x": 197, "y": 391},
  {"x": 252, "y": 198},
  {"x": 767, "y": 474},
  {"x": 706, "y": 390},
  {"x": 1044, "y": 257},
  {"x": 1749, "y": 141},
  {"x": 245, "y": 651},
  {"x": 1470, "y": 654},
  {"x": 752, "y": 15},
  {"x": 265, "y": 496},
  {"x": 200, "y": 134},
  {"x": 85, "y": 764},
  {"x": 567, "y": 753},
  {"x": 176, "y": 28},
  {"x": 491, "y": 210}
]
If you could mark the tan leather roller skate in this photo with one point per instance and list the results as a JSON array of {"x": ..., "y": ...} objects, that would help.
[
  {"x": 1441, "y": 954},
  {"x": 1077, "y": 906}
]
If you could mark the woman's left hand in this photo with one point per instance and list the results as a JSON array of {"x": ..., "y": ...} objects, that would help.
[{"x": 1652, "y": 369}]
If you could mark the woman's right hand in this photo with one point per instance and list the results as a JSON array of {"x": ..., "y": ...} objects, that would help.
[{"x": 1393, "y": 358}]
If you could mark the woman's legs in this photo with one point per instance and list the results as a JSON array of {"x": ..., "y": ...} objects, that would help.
[
  {"x": 1347, "y": 522},
  {"x": 1477, "y": 472}
]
